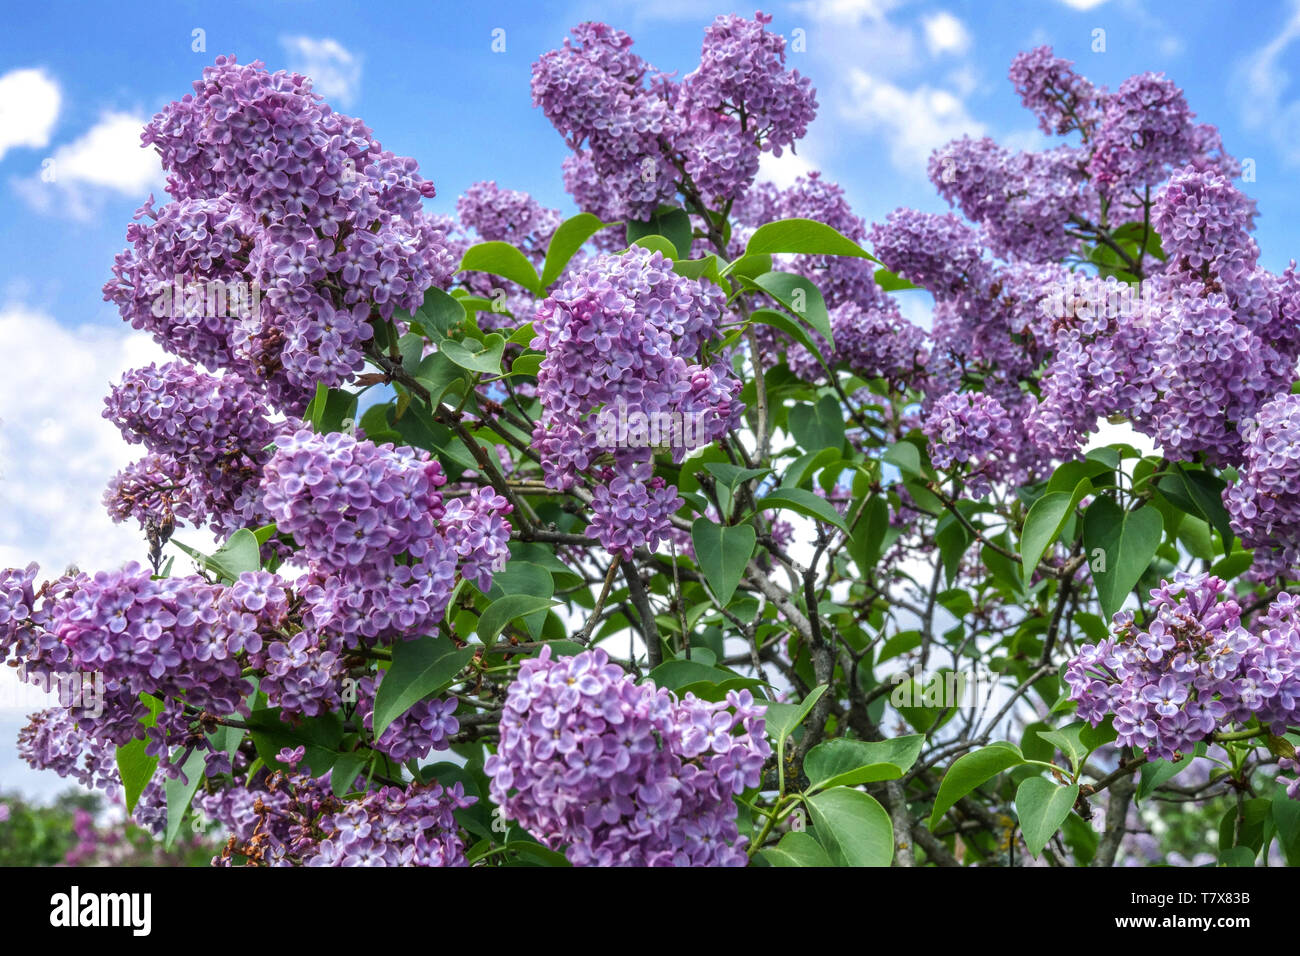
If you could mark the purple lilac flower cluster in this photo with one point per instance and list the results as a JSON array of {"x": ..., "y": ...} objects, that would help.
[
  {"x": 371, "y": 523},
  {"x": 971, "y": 429},
  {"x": 941, "y": 253},
  {"x": 393, "y": 826},
  {"x": 198, "y": 248},
  {"x": 171, "y": 638},
  {"x": 635, "y": 130},
  {"x": 600, "y": 95},
  {"x": 622, "y": 342},
  {"x": 1203, "y": 220},
  {"x": 1194, "y": 669},
  {"x": 1264, "y": 504},
  {"x": 508, "y": 215},
  {"x": 1192, "y": 355},
  {"x": 206, "y": 436},
  {"x": 1049, "y": 88},
  {"x": 1146, "y": 131},
  {"x": 1022, "y": 200},
  {"x": 426, "y": 726},
  {"x": 274, "y": 189},
  {"x": 740, "y": 100},
  {"x": 621, "y": 774},
  {"x": 871, "y": 343},
  {"x": 297, "y": 821}
]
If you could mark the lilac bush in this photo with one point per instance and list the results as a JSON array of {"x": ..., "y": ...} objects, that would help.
[{"x": 669, "y": 533}]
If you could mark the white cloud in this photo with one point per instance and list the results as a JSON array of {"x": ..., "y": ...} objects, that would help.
[
  {"x": 57, "y": 452},
  {"x": 848, "y": 33},
  {"x": 783, "y": 170},
  {"x": 334, "y": 70},
  {"x": 914, "y": 121},
  {"x": 1083, "y": 4},
  {"x": 107, "y": 159},
  {"x": 882, "y": 82},
  {"x": 29, "y": 105},
  {"x": 944, "y": 33},
  {"x": 849, "y": 11},
  {"x": 1263, "y": 80}
]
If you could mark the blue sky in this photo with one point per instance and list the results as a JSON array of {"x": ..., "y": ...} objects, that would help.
[{"x": 894, "y": 80}]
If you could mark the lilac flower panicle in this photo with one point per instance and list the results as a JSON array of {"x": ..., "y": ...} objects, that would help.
[
  {"x": 621, "y": 774},
  {"x": 1193, "y": 670}
]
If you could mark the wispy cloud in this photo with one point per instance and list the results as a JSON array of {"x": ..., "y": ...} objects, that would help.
[
  {"x": 335, "y": 70},
  {"x": 1263, "y": 81},
  {"x": 29, "y": 106},
  {"x": 57, "y": 452},
  {"x": 889, "y": 84},
  {"x": 108, "y": 159},
  {"x": 913, "y": 121},
  {"x": 944, "y": 33}
]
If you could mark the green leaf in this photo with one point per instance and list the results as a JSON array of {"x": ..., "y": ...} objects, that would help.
[
  {"x": 748, "y": 267},
  {"x": 672, "y": 223},
  {"x": 796, "y": 330},
  {"x": 707, "y": 268},
  {"x": 818, "y": 426},
  {"x": 801, "y": 297},
  {"x": 440, "y": 313},
  {"x": 852, "y": 826},
  {"x": 486, "y": 359},
  {"x": 867, "y": 540},
  {"x": 134, "y": 765},
  {"x": 731, "y": 476},
  {"x": 1120, "y": 545},
  {"x": 502, "y": 259},
  {"x": 796, "y": 849},
  {"x": 1155, "y": 773},
  {"x": 844, "y": 762},
  {"x": 1068, "y": 475},
  {"x": 1042, "y": 807},
  {"x": 953, "y": 540},
  {"x": 1206, "y": 491},
  {"x": 656, "y": 243},
  {"x": 180, "y": 790},
  {"x": 420, "y": 668},
  {"x": 571, "y": 236},
  {"x": 906, "y": 457},
  {"x": 1044, "y": 522},
  {"x": 972, "y": 770},
  {"x": 805, "y": 503},
  {"x": 1286, "y": 817},
  {"x": 677, "y": 674},
  {"x": 892, "y": 282},
  {"x": 346, "y": 769},
  {"x": 528, "y": 364},
  {"x": 438, "y": 374},
  {"x": 781, "y": 720},
  {"x": 803, "y": 236},
  {"x": 524, "y": 577},
  {"x": 1069, "y": 740},
  {"x": 319, "y": 736},
  {"x": 722, "y": 551},
  {"x": 504, "y": 610},
  {"x": 240, "y": 553},
  {"x": 331, "y": 410}
]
